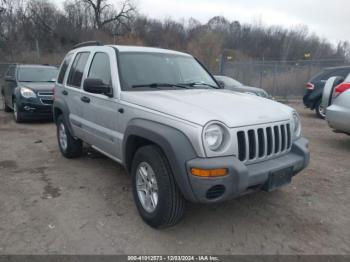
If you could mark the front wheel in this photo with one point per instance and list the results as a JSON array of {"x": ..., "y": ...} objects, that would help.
[
  {"x": 17, "y": 114},
  {"x": 320, "y": 110},
  {"x": 156, "y": 194},
  {"x": 69, "y": 146}
]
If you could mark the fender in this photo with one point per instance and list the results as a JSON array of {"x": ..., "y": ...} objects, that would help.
[
  {"x": 175, "y": 145},
  {"x": 62, "y": 105}
]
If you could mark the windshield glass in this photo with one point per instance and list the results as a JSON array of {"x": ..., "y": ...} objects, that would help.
[
  {"x": 142, "y": 69},
  {"x": 37, "y": 74},
  {"x": 228, "y": 81}
]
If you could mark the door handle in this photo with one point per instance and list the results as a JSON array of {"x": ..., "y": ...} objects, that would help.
[
  {"x": 64, "y": 92},
  {"x": 85, "y": 99}
]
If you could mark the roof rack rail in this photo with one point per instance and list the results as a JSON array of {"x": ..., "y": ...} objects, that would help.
[{"x": 88, "y": 43}]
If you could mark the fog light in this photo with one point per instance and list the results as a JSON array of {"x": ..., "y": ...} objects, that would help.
[{"x": 209, "y": 172}]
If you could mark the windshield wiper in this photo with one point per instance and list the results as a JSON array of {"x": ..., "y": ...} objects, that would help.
[
  {"x": 158, "y": 85},
  {"x": 200, "y": 84}
]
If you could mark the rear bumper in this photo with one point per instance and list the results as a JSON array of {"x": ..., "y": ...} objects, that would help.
[
  {"x": 338, "y": 118},
  {"x": 243, "y": 179}
]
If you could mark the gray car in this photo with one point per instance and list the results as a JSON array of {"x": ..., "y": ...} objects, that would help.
[
  {"x": 179, "y": 135},
  {"x": 336, "y": 98},
  {"x": 234, "y": 85}
]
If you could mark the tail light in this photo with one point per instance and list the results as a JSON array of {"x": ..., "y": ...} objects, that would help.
[
  {"x": 341, "y": 88},
  {"x": 310, "y": 86}
]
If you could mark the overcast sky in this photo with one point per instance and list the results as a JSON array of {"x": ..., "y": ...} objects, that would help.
[{"x": 328, "y": 19}]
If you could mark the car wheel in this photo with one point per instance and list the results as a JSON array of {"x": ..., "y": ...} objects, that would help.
[
  {"x": 17, "y": 114},
  {"x": 320, "y": 110},
  {"x": 156, "y": 194},
  {"x": 68, "y": 145}
]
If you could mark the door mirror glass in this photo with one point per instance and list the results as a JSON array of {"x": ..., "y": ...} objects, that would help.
[{"x": 96, "y": 86}]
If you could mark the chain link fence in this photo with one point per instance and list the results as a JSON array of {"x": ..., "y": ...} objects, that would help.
[{"x": 285, "y": 79}]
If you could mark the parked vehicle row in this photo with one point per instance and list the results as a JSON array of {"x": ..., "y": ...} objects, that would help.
[
  {"x": 182, "y": 134},
  {"x": 314, "y": 88}
]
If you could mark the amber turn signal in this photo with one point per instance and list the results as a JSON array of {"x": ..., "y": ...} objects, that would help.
[{"x": 209, "y": 172}]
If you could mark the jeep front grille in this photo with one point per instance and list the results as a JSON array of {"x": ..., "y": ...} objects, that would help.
[{"x": 258, "y": 143}]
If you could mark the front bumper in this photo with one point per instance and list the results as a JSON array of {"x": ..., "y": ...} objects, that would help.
[
  {"x": 243, "y": 179},
  {"x": 35, "y": 110}
]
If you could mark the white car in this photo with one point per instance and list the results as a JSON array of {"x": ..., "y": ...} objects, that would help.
[{"x": 336, "y": 98}]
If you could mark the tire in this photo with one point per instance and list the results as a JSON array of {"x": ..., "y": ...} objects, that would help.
[
  {"x": 320, "y": 111},
  {"x": 17, "y": 115},
  {"x": 68, "y": 145},
  {"x": 170, "y": 204}
]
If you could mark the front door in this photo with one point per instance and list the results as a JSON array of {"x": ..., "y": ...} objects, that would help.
[{"x": 101, "y": 111}]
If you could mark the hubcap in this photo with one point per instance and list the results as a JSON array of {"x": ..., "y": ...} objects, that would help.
[
  {"x": 62, "y": 136},
  {"x": 147, "y": 187}
]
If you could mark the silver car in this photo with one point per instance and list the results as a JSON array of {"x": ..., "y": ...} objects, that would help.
[
  {"x": 177, "y": 133},
  {"x": 336, "y": 96}
]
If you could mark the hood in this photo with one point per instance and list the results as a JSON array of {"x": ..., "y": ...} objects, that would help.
[
  {"x": 38, "y": 86},
  {"x": 201, "y": 106}
]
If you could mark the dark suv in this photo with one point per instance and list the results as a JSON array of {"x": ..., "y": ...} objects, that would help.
[
  {"x": 314, "y": 88},
  {"x": 27, "y": 90}
]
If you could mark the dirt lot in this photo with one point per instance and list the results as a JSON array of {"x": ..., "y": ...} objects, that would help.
[{"x": 49, "y": 204}]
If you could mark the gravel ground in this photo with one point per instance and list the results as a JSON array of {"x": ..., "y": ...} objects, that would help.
[{"x": 51, "y": 205}]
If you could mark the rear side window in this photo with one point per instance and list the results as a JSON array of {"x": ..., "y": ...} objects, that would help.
[
  {"x": 100, "y": 68},
  {"x": 64, "y": 68},
  {"x": 325, "y": 75},
  {"x": 76, "y": 72}
]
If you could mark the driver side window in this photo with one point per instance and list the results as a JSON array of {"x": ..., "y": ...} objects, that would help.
[{"x": 100, "y": 68}]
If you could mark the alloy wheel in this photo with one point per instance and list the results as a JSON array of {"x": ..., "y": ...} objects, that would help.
[{"x": 147, "y": 187}]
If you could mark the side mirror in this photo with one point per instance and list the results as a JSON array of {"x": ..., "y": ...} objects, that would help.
[
  {"x": 96, "y": 86},
  {"x": 221, "y": 84}
]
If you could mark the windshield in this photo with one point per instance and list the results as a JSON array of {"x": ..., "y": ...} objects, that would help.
[
  {"x": 167, "y": 71},
  {"x": 228, "y": 81},
  {"x": 37, "y": 74}
]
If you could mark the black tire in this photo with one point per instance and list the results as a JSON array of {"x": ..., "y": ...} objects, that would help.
[
  {"x": 320, "y": 111},
  {"x": 17, "y": 114},
  {"x": 74, "y": 147},
  {"x": 171, "y": 204}
]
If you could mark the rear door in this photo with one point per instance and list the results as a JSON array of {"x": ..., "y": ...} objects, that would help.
[
  {"x": 72, "y": 90},
  {"x": 100, "y": 111}
]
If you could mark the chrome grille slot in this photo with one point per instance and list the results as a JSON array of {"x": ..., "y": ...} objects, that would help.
[
  {"x": 48, "y": 93},
  {"x": 258, "y": 143}
]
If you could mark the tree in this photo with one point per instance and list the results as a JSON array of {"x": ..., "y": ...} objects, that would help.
[{"x": 104, "y": 13}]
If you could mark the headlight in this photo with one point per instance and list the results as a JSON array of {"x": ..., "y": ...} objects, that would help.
[
  {"x": 27, "y": 93},
  {"x": 296, "y": 125},
  {"x": 214, "y": 136}
]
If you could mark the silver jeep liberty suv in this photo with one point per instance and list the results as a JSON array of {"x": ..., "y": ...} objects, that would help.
[{"x": 181, "y": 137}]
